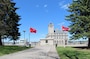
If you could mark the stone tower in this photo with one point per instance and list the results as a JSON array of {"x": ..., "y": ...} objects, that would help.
[{"x": 50, "y": 28}]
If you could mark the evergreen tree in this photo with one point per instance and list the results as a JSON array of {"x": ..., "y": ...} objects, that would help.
[
  {"x": 80, "y": 19},
  {"x": 8, "y": 20},
  {"x": 4, "y": 5},
  {"x": 13, "y": 24}
]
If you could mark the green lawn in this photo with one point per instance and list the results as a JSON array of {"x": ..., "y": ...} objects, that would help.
[
  {"x": 10, "y": 49},
  {"x": 72, "y": 53}
]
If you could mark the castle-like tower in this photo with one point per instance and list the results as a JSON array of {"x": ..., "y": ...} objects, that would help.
[{"x": 50, "y": 28}]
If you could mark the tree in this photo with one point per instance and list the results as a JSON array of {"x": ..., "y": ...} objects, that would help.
[
  {"x": 80, "y": 19},
  {"x": 8, "y": 20},
  {"x": 3, "y": 17},
  {"x": 13, "y": 23}
]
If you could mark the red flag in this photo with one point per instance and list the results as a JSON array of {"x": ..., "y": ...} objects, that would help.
[
  {"x": 32, "y": 30},
  {"x": 65, "y": 28}
]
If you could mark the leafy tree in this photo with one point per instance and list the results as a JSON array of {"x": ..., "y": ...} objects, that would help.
[
  {"x": 80, "y": 19},
  {"x": 8, "y": 20}
]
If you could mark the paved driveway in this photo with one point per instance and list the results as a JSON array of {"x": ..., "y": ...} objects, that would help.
[{"x": 40, "y": 52}]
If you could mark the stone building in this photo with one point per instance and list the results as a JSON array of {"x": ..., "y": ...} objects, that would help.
[{"x": 55, "y": 37}]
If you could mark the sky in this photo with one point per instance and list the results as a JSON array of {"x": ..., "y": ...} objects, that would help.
[{"x": 38, "y": 14}]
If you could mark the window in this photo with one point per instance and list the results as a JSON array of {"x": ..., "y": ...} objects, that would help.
[
  {"x": 46, "y": 41},
  {"x": 65, "y": 42}
]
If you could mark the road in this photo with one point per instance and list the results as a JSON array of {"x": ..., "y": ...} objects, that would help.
[{"x": 40, "y": 52}]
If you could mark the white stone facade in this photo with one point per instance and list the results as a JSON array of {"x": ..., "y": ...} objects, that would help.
[
  {"x": 55, "y": 37},
  {"x": 46, "y": 42}
]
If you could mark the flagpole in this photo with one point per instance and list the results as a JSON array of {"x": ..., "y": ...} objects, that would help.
[
  {"x": 29, "y": 38},
  {"x": 32, "y": 30}
]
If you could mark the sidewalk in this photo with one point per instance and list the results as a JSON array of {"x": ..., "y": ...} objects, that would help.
[
  {"x": 40, "y": 52},
  {"x": 52, "y": 54}
]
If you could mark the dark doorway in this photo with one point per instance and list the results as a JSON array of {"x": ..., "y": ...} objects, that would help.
[{"x": 46, "y": 41}]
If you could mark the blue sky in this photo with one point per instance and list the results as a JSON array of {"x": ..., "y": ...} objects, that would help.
[{"x": 39, "y": 13}]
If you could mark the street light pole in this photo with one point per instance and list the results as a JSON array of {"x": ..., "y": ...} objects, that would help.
[{"x": 24, "y": 34}]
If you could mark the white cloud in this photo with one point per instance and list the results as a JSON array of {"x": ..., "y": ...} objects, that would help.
[
  {"x": 65, "y": 6},
  {"x": 45, "y": 5}
]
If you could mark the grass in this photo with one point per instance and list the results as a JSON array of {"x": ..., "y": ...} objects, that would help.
[
  {"x": 73, "y": 53},
  {"x": 10, "y": 49}
]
